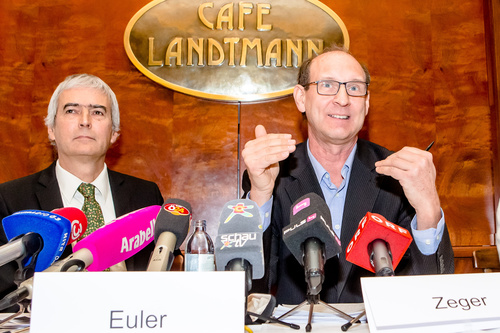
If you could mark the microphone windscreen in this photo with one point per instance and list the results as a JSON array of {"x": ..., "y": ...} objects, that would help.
[
  {"x": 310, "y": 217},
  {"x": 78, "y": 221},
  {"x": 120, "y": 239},
  {"x": 375, "y": 226},
  {"x": 174, "y": 216},
  {"x": 53, "y": 228},
  {"x": 240, "y": 236}
]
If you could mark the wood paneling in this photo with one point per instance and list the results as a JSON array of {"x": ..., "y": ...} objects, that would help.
[
  {"x": 433, "y": 66},
  {"x": 204, "y": 158},
  {"x": 487, "y": 259},
  {"x": 492, "y": 24}
]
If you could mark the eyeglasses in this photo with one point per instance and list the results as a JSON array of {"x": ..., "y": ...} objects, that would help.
[{"x": 332, "y": 87}]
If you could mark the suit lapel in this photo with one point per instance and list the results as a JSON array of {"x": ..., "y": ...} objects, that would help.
[
  {"x": 305, "y": 179},
  {"x": 121, "y": 198},
  {"x": 361, "y": 195},
  {"x": 47, "y": 191}
]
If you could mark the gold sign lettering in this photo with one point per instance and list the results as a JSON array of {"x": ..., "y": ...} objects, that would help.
[
  {"x": 263, "y": 9},
  {"x": 245, "y": 8},
  {"x": 273, "y": 51},
  {"x": 233, "y": 51},
  {"x": 202, "y": 17}
]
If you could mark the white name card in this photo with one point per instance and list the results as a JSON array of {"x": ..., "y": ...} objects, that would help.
[
  {"x": 138, "y": 302},
  {"x": 432, "y": 303}
]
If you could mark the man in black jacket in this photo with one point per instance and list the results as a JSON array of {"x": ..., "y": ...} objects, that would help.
[
  {"x": 83, "y": 121},
  {"x": 352, "y": 175}
]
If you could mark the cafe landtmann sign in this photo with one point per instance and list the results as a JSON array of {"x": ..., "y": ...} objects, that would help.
[{"x": 230, "y": 51}]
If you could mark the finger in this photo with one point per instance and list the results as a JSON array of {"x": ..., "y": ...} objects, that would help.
[
  {"x": 260, "y": 131},
  {"x": 402, "y": 170},
  {"x": 267, "y": 149},
  {"x": 270, "y": 140},
  {"x": 266, "y": 155},
  {"x": 395, "y": 162},
  {"x": 393, "y": 172},
  {"x": 406, "y": 157}
]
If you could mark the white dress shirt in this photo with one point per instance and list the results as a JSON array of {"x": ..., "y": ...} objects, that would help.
[{"x": 68, "y": 185}]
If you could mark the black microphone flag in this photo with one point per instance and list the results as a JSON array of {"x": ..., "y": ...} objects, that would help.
[{"x": 240, "y": 236}]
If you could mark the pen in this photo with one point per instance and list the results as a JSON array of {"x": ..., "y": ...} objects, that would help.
[{"x": 429, "y": 147}]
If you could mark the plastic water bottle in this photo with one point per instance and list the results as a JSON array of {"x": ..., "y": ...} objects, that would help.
[{"x": 200, "y": 249}]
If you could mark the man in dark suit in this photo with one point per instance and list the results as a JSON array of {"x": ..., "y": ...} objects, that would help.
[
  {"x": 83, "y": 121},
  {"x": 352, "y": 175}
]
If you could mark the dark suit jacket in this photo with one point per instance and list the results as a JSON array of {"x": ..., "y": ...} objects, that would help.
[
  {"x": 41, "y": 191},
  {"x": 367, "y": 192}
]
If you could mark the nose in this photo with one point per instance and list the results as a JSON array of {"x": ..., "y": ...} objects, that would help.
[
  {"x": 342, "y": 98},
  {"x": 85, "y": 119}
]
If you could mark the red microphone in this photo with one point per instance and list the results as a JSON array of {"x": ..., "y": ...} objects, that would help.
[
  {"x": 78, "y": 221},
  {"x": 378, "y": 245}
]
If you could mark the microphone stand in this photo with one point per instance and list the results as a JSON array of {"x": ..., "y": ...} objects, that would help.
[
  {"x": 313, "y": 261},
  {"x": 273, "y": 320},
  {"x": 346, "y": 326},
  {"x": 12, "y": 316},
  {"x": 240, "y": 264},
  {"x": 381, "y": 260},
  {"x": 313, "y": 300}
]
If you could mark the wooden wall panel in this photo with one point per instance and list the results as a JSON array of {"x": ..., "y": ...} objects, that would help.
[
  {"x": 16, "y": 85},
  {"x": 204, "y": 156},
  {"x": 463, "y": 121},
  {"x": 429, "y": 66},
  {"x": 492, "y": 24}
]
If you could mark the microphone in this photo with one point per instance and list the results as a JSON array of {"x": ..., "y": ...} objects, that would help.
[
  {"x": 171, "y": 228},
  {"x": 105, "y": 247},
  {"x": 25, "y": 289},
  {"x": 238, "y": 245},
  {"x": 310, "y": 238},
  {"x": 378, "y": 245},
  {"x": 21, "y": 247},
  {"x": 78, "y": 221},
  {"x": 53, "y": 228},
  {"x": 116, "y": 241}
]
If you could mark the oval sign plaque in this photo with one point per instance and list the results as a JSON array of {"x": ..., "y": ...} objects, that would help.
[{"x": 230, "y": 51}]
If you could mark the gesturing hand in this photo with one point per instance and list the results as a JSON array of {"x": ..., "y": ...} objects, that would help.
[
  {"x": 415, "y": 171},
  {"x": 261, "y": 157}
]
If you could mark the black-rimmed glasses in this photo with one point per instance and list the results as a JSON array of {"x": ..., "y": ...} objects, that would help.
[{"x": 332, "y": 87}]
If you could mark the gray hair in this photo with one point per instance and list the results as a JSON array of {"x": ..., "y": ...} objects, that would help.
[{"x": 83, "y": 81}]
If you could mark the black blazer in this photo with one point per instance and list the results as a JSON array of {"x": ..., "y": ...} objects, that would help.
[
  {"x": 41, "y": 191},
  {"x": 367, "y": 192}
]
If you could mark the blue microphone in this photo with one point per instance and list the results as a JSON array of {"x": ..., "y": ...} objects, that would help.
[{"x": 53, "y": 228}]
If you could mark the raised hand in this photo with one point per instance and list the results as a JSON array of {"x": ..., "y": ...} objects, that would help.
[{"x": 261, "y": 157}]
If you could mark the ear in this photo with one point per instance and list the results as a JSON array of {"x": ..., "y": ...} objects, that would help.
[
  {"x": 50, "y": 131},
  {"x": 299, "y": 95},
  {"x": 367, "y": 104},
  {"x": 114, "y": 137}
]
